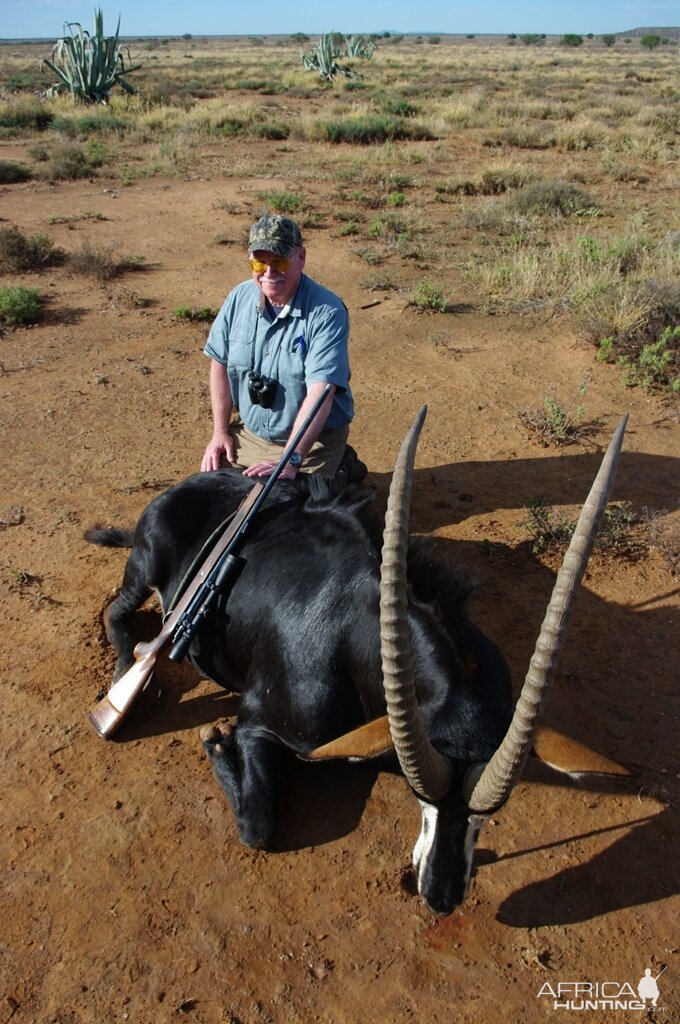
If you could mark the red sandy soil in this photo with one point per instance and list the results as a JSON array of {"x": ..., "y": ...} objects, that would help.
[{"x": 126, "y": 894}]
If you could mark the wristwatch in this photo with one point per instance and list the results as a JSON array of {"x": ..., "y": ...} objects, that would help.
[{"x": 295, "y": 460}]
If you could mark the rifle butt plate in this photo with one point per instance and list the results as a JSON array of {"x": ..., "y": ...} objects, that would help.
[{"x": 105, "y": 718}]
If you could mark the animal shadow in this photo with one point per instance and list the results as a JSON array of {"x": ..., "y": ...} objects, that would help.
[{"x": 321, "y": 803}]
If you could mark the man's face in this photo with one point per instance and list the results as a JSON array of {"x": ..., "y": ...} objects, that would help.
[{"x": 280, "y": 277}]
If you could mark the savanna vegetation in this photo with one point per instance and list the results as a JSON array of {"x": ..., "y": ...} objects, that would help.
[{"x": 537, "y": 178}]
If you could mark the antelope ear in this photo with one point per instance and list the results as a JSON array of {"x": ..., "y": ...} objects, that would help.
[
  {"x": 368, "y": 740},
  {"x": 567, "y": 755}
]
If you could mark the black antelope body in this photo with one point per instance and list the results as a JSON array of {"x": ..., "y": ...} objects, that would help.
[{"x": 345, "y": 644}]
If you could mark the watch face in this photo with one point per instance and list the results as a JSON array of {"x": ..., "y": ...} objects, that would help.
[{"x": 295, "y": 459}]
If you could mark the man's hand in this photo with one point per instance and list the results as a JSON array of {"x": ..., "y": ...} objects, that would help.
[
  {"x": 267, "y": 468},
  {"x": 219, "y": 451}
]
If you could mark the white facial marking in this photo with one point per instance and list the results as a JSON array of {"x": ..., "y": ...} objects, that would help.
[
  {"x": 428, "y": 831},
  {"x": 425, "y": 842}
]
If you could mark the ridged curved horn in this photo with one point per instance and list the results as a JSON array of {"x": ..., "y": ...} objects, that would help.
[
  {"x": 488, "y": 786},
  {"x": 426, "y": 770}
]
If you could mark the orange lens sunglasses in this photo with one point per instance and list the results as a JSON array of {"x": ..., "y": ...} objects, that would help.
[{"x": 279, "y": 263}]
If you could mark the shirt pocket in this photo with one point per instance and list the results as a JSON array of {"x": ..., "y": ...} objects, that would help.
[
  {"x": 241, "y": 342},
  {"x": 292, "y": 359}
]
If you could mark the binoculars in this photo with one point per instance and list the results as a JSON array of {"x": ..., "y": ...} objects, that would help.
[{"x": 262, "y": 390}]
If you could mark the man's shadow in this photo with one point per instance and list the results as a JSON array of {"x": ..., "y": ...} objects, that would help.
[{"x": 443, "y": 495}]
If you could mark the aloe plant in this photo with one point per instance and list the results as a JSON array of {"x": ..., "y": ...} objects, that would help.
[
  {"x": 359, "y": 46},
  {"x": 88, "y": 66},
  {"x": 324, "y": 59}
]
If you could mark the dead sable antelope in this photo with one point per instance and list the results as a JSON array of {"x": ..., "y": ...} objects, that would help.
[{"x": 327, "y": 629}]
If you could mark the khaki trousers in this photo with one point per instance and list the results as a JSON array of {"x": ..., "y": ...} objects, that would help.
[{"x": 323, "y": 457}]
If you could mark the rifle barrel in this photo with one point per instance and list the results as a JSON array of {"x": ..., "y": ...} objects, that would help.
[{"x": 227, "y": 569}]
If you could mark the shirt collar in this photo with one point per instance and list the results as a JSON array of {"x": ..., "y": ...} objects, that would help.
[{"x": 292, "y": 308}]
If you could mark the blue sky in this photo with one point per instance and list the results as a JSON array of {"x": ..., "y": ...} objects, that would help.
[{"x": 45, "y": 18}]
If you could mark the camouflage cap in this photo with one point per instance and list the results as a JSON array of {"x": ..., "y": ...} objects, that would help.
[{"x": 272, "y": 233}]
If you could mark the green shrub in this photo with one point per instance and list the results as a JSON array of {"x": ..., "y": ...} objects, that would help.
[
  {"x": 552, "y": 531},
  {"x": 102, "y": 264},
  {"x": 96, "y": 152},
  {"x": 355, "y": 85},
  {"x": 40, "y": 153},
  {"x": 282, "y": 202},
  {"x": 371, "y": 200},
  {"x": 206, "y": 313},
  {"x": 274, "y": 130},
  {"x": 494, "y": 218},
  {"x": 27, "y": 80},
  {"x": 657, "y": 366},
  {"x": 491, "y": 182},
  {"x": 347, "y": 216},
  {"x": 399, "y": 180},
  {"x": 12, "y": 172},
  {"x": 89, "y": 124},
  {"x": 547, "y": 529},
  {"x": 614, "y": 533},
  {"x": 370, "y": 129},
  {"x": 556, "y": 423},
  {"x": 495, "y": 181},
  {"x": 19, "y": 305},
  {"x": 370, "y": 256},
  {"x": 428, "y": 296},
  {"x": 68, "y": 163},
  {"x": 387, "y": 227},
  {"x": 17, "y": 118},
  {"x": 637, "y": 326},
  {"x": 623, "y": 255},
  {"x": 17, "y": 252},
  {"x": 559, "y": 197},
  {"x": 523, "y": 137},
  {"x": 232, "y": 126},
  {"x": 397, "y": 106},
  {"x": 605, "y": 348}
]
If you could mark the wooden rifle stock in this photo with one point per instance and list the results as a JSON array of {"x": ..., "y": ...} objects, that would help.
[
  {"x": 112, "y": 709},
  {"x": 179, "y": 626}
]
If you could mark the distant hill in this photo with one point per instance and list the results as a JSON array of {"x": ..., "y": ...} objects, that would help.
[{"x": 665, "y": 33}]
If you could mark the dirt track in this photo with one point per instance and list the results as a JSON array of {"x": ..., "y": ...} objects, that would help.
[{"x": 127, "y": 896}]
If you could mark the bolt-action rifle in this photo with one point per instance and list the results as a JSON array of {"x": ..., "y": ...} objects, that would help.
[{"x": 217, "y": 575}]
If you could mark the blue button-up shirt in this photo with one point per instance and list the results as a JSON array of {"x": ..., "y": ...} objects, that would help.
[{"x": 306, "y": 343}]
